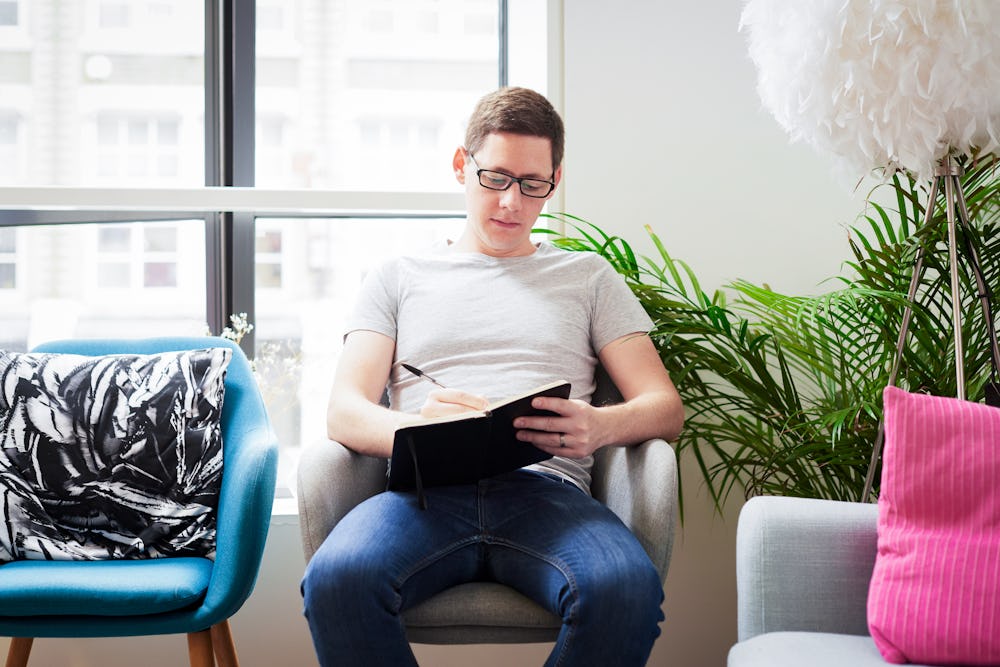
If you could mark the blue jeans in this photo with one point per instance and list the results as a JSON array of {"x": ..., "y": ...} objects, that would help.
[{"x": 545, "y": 538}]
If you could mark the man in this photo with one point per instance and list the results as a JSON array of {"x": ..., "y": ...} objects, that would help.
[{"x": 491, "y": 315}]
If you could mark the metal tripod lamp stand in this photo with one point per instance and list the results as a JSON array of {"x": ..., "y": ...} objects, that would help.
[{"x": 948, "y": 180}]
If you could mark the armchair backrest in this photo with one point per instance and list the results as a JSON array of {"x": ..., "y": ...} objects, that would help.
[{"x": 249, "y": 465}]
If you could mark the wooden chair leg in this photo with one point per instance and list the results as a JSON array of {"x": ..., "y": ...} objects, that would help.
[
  {"x": 20, "y": 649},
  {"x": 222, "y": 643},
  {"x": 200, "y": 649}
]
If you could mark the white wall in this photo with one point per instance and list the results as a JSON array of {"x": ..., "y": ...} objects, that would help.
[{"x": 658, "y": 96}]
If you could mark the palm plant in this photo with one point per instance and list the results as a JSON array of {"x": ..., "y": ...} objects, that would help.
[{"x": 783, "y": 392}]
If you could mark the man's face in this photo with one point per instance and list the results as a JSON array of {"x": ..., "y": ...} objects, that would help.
[{"x": 500, "y": 221}]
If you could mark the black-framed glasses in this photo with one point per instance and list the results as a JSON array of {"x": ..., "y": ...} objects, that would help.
[{"x": 495, "y": 180}]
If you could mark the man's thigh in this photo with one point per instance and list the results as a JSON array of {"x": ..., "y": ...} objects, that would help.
[
  {"x": 389, "y": 540},
  {"x": 555, "y": 544}
]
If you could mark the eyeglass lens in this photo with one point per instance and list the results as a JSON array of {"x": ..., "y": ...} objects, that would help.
[
  {"x": 495, "y": 180},
  {"x": 530, "y": 187}
]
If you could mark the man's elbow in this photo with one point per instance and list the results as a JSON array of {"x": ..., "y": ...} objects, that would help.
[
  {"x": 336, "y": 421},
  {"x": 673, "y": 418}
]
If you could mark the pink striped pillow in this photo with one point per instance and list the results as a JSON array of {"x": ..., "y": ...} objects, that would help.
[{"x": 935, "y": 591}]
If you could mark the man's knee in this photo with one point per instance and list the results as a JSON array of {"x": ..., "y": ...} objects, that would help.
[
  {"x": 628, "y": 590},
  {"x": 345, "y": 574}
]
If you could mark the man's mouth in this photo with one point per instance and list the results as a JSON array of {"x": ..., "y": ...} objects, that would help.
[{"x": 505, "y": 224}]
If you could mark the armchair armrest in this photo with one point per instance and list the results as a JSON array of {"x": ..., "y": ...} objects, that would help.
[
  {"x": 804, "y": 564},
  {"x": 639, "y": 484},
  {"x": 332, "y": 480}
]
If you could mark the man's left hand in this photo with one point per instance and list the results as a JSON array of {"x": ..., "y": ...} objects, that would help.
[{"x": 574, "y": 431}]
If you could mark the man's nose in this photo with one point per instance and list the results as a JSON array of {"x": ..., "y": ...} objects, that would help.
[{"x": 511, "y": 198}]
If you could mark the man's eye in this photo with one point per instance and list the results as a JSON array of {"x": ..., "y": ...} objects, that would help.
[
  {"x": 497, "y": 180},
  {"x": 534, "y": 186}
]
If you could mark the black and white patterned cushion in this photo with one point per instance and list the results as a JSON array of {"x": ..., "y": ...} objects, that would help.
[{"x": 116, "y": 456}]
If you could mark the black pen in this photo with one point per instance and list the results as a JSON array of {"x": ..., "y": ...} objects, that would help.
[{"x": 420, "y": 374}]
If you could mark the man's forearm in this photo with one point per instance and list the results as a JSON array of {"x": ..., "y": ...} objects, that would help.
[
  {"x": 651, "y": 415},
  {"x": 363, "y": 426}
]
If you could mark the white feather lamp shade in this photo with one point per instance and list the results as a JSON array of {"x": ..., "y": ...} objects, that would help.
[{"x": 881, "y": 83}]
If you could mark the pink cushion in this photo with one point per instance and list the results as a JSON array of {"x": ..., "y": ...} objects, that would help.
[{"x": 935, "y": 591}]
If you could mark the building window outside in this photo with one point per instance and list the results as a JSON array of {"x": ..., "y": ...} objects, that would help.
[
  {"x": 10, "y": 153},
  {"x": 136, "y": 256},
  {"x": 134, "y": 148},
  {"x": 8, "y": 258},
  {"x": 8, "y": 13},
  {"x": 114, "y": 15},
  {"x": 268, "y": 256}
]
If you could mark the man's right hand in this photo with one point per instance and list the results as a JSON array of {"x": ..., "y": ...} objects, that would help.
[{"x": 445, "y": 402}]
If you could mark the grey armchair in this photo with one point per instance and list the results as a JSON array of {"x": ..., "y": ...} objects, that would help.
[
  {"x": 802, "y": 572},
  {"x": 638, "y": 483}
]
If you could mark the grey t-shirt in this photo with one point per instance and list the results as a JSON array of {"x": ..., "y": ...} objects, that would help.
[{"x": 498, "y": 326}]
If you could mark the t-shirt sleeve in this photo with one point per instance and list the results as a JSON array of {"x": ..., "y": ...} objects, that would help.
[
  {"x": 377, "y": 303},
  {"x": 617, "y": 311}
]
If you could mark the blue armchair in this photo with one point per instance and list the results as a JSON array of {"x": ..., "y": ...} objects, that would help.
[{"x": 195, "y": 596}]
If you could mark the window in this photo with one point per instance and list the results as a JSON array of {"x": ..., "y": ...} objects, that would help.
[
  {"x": 132, "y": 257},
  {"x": 122, "y": 103},
  {"x": 8, "y": 258},
  {"x": 10, "y": 154},
  {"x": 113, "y": 15},
  {"x": 8, "y": 13},
  {"x": 267, "y": 256},
  {"x": 126, "y": 279},
  {"x": 383, "y": 108},
  {"x": 133, "y": 148},
  {"x": 362, "y": 100}
]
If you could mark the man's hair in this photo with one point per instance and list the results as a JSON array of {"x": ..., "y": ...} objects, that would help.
[{"x": 517, "y": 111}]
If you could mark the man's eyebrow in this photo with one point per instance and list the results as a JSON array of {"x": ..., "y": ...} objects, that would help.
[{"x": 508, "y": 172}]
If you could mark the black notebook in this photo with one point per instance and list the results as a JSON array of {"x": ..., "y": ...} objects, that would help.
[{"x": 466, "y": 448}]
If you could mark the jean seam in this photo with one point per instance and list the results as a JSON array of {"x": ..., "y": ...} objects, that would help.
[
  {"x": 432, "y": 558},
  {"x": 563, "y": 569}
]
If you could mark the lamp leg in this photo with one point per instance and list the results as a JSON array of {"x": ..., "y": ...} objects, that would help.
[
  {"x": 956, "y": 301},
  {"x": 965, "y": 220},
  {"x": 904, "y": 327}
]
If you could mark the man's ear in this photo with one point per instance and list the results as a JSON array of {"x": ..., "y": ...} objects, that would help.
[
  {"x": 556, "y": 177},
  {"x": 458, "y": 163}
]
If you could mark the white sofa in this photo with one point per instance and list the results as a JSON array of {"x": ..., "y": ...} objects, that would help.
[{"x": 802, "y": 570}]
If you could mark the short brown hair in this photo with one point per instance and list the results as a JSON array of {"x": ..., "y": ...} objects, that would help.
[{"x": 517, "y": 111}]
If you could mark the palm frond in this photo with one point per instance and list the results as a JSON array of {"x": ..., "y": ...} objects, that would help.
[{"x": 783, "y": 392}]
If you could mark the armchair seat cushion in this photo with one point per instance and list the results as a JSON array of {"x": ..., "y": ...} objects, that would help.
[
  {"x": 102, "y": 588},
  {"x": 815, "y": 649},
  {"x": 480, "y": 612}
]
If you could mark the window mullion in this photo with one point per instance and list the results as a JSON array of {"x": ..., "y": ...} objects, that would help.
[{"x": 229, "y": 155}]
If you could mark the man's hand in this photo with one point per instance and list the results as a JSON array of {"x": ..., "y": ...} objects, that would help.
[
  {"x": 574, "y": 432},
  {"x": 444, "y": 402}
]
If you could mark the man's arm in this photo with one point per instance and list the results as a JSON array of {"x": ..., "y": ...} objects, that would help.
[
  {"x": 354, "y": 415},
  {"x": 651, "y": 408}
]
